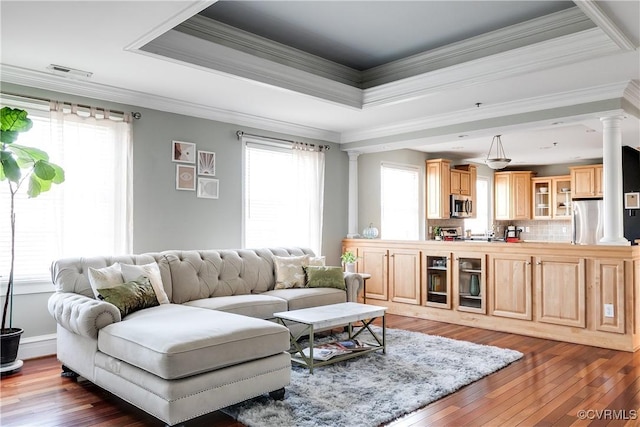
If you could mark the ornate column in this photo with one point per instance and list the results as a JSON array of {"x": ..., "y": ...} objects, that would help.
[
  {"x": 612, "y": 181},
  {"x": 353, "y": 195}
]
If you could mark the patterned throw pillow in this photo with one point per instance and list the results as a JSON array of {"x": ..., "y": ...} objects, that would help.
[
  {"x": 290, "y": 271},
  {"x": 130, "y": 296},
  {"x": 107, "y": 277},
  {"x": 317, "y": 260},
  {"x": 152, "y": 271},
  {"x": 325, "y": 277}
]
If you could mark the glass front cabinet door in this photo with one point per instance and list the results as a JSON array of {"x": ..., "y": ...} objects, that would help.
[
  {"x": 438, "y": 280},
  {"x": 469, "y": 283}
]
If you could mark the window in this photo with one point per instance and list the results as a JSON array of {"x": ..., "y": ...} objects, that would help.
[
  {"x": 283, "y": 196},
  {"x": 400, "y": 204},
  {"x": 88, "y": 214},
  {"x": 480, "y": 224}
]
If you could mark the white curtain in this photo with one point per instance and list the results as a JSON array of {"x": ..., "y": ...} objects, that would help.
[
  {"x": 96, "y": 198},
  {"x": 309, "y": 162}
]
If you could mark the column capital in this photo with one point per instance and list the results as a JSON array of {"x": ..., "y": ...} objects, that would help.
[
  {"x": 353, "y": 155},
  {"x": 609, "y": 120}
]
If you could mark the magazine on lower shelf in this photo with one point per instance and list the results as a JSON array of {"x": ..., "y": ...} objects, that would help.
[{"x": 329, "y": 350}]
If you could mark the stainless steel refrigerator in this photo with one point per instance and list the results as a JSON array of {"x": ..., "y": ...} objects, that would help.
[{"x": 587, "y": 221}]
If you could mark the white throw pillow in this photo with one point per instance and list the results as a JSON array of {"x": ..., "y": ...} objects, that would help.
[
  {"x": 290, "y": 271},
  {"x": 102, "y": 278},
  {"x": 152, "y": 271},
  {"x": 317, "y": 261}
]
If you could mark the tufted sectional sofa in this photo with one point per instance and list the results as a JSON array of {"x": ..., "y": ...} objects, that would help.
[{"x": 214, "y": 345}]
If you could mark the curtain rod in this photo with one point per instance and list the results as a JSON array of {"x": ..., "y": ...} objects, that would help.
[
  {"x": 240, "y": 134},
  {"x": 135, "y": 115}
]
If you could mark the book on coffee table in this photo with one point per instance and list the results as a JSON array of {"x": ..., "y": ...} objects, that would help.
[
  {"x": 326, "y": 351},
  {"x": 354, "y": 345}
]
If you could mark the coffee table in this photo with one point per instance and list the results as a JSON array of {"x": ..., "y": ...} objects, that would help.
[{"x": 349, "y": 314}]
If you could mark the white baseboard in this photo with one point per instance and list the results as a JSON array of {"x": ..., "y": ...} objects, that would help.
[{"x": 41, "y": 345}]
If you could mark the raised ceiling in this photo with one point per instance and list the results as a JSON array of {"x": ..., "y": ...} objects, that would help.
[
  {"x": 363, "y": 35},
  {"x": 568, "y": 66}
]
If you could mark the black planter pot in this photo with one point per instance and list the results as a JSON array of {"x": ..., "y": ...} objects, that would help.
[{"x": 9, "y": 343}]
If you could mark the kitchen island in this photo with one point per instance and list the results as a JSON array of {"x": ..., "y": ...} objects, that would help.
[{"x": 585, "y": 294}]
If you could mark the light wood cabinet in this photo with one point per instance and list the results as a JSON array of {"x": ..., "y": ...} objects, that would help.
[
  {"x": 437, "y": 279},
  {"x": 586, "y": 181},
  {"x": 460, "y": 182},
  {"x": 551, "y": 197},
  {"x": 472, "y": 171},
  {"x": 405, "y": 276},
  {"x": 512, "y": 195},
  {"x": 374, "y": 262},
  {"x": 470, "y": 267},
  {"x": 608, "y": 279},
  {"x": 438, "y": 173},
  {"x": 560, "y": 290},
  {"x": 510, "y": 284}
]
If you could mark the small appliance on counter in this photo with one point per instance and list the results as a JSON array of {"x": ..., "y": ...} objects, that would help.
[
  {"x": 450, "y": 233},
  {"x": 512, "y": 234}
]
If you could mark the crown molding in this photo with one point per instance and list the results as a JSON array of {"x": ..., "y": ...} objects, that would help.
[
  {"x": 515, "y": 36},
  {"x": 596, "y": 14},
  {"x": 234, "y": 38},
  {"x": 563, "y": 99},
  {"x": 632, "y": 93},
  {"x": 563, "y": 50},
  {"x": 190, "y": 50},
  {"x": 40, "y": 80}
]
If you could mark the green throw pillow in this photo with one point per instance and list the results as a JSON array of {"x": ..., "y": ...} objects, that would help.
[
  {"x": 131, "y": 296},
  {"x": 325, "y": 277}
]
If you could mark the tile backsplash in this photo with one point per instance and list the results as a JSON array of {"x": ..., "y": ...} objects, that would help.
[{"x": 541, "y": 230}]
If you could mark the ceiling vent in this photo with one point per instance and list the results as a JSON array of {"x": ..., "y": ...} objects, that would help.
[{"x": 73, "y": 73}]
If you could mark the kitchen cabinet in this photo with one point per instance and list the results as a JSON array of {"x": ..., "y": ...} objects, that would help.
[
  {"x": 608, "y": 279},
  {"x": 586, "y": 181},
  {"x": 561, "y": 189},
  {"x": 437, "y": 279},
  {"x": 551, "y": 197},
  {"x": 510, "y": 284},
  {"x": 560, "y": 290},
  {"x": 438, "y": 173},
  {"x": 373, "y": 260},
  {"x": 460, "y": 182},
  {"x": 542, "y": 198},
  {"x": 512, "y": 195},
  {"x": 472, "y": 173},
  {"x": 405, "y": 276},
  {"x": 469, "y": 287}
]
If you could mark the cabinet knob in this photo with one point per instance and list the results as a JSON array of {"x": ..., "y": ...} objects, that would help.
[
  {"x": 528, "y": 263},
  {"x": 539, "y": 263}
]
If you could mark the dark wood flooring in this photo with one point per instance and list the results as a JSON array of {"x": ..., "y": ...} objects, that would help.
[{"x": 550, "y": 386}]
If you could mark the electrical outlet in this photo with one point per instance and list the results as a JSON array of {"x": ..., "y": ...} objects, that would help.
[
  {"x": 564, "y": 229},
  {"x": 608, "y": 310},
  {"x": 526, "y": 229},
  {"x": 430, "y": 229}
]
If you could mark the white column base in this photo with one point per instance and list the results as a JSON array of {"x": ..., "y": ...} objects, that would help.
[
  {"x": 353, "y": 236},
  {"x": 620, "y": 241}
]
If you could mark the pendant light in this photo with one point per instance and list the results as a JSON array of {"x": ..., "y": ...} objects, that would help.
[{"x": 500, "y": 161}]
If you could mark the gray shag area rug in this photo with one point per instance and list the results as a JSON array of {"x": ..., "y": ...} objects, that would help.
[{"x": 375, "y": 389}]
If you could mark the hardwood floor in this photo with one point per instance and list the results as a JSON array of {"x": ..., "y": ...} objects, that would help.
[{"x": 548, "y": 387}]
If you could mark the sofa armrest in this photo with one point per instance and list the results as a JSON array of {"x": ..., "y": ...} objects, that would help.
[
  {"x": 354, "y": 282},
  {"x": 80, "y": 314}
]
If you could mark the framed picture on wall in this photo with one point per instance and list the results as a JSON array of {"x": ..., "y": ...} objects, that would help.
[
  {"x": 206, "y": 163},
  {"x": 632, "y": 200},
  {"x": 185, "y": 177},
  {"x": 208, "y": 188},
  {"x": 183, "y": 152}
]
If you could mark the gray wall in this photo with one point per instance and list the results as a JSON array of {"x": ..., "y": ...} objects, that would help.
[
  {"x": 164, "y": 218},
  {"x": 369, "y": 182}
]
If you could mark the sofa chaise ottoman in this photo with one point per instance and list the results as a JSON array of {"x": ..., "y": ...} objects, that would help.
[{"x": 213, "y": 343}]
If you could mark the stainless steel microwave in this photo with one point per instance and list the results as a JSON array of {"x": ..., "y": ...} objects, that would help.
[{"x": 460, "y": 206}]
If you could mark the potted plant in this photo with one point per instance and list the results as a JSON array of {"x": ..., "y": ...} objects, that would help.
[
  {"x": 18, "y": 165},
  {"x": 349, "y": 261},
  {"x": 437, "y": 233}
]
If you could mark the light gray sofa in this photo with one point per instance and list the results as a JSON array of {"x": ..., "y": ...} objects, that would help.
[{"x": 214, "y": 345}]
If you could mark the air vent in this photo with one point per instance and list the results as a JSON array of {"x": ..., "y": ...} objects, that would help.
[{"x": 61, "y": 70}]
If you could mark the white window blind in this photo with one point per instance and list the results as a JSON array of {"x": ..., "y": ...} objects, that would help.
[
  {"x": 88, "y": 214},
  {"x": 400, "y": 189},
  {"x": 283, "y": 193}
]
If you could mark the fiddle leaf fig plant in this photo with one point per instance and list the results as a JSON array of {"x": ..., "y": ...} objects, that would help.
[{"x": 19, "y": 164}]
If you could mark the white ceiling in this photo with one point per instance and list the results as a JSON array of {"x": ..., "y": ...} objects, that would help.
[{"x": 520, "y": 98}]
